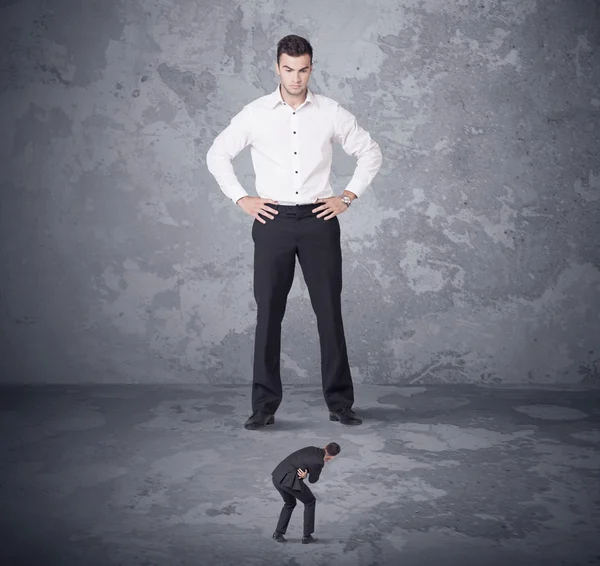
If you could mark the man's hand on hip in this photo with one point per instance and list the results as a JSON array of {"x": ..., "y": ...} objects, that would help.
[
  {"x": 332, "y": 206},
  {"x": 255, "y": 205}
]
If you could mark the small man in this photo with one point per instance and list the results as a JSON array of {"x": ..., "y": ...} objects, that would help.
[{"x": 287, "y": 479}]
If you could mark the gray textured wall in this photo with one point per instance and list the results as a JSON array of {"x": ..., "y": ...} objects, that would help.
[{"x": 473, "y": 257}]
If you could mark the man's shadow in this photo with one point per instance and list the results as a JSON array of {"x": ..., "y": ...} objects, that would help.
[
  {"x": 318, "y": 540},
  {"x": 406, "y": 414},
  {"x": 382, "y": 414},
  {"x": 369, "y": 415}
]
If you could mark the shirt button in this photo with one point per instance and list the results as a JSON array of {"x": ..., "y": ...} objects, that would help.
[
  {"x": 296, "y": 192},
  {"x": 294, "y": 132},
  {"x": 294, "y": 113},
  {"x": 295, "y": 152},
  {"x": 296, "y": 171}
]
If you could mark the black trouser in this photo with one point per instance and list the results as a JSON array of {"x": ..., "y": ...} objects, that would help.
[
  {"x": 289, "y": 498},
  {"x": 296, "y": 231}
]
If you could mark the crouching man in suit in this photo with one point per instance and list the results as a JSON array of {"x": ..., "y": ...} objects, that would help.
[{"x": 287, "y": 478}]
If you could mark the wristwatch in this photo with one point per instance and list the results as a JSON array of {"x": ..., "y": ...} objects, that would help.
[{"x": 346, "y": 200}]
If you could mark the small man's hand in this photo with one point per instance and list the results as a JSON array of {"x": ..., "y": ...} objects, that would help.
[{"x": 302, "y": 474}]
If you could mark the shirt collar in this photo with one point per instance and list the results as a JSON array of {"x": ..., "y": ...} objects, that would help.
[{"x": 276, "y": 98}]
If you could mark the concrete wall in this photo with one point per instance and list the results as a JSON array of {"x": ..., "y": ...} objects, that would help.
[{"x": 473, "y": 257}]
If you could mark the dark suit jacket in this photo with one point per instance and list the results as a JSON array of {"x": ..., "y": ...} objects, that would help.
[{"x": 309, "y": 458}]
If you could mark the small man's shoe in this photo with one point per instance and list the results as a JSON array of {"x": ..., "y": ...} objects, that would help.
[
  {"x": 279, "y": 537},
  {"x": 258, "y": 419},
  {"x": 345, "y": 415},
  {"x": 307, "y": 539}
]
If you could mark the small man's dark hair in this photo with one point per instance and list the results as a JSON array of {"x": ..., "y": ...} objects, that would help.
[
  {"x": 294, "y": 46},
  {"x": 333, "y": 449}
]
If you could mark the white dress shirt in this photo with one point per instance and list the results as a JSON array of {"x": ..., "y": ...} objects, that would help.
[{"x": 291, "y": 149}]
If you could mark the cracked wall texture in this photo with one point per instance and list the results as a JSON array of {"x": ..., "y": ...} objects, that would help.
[{"x": 473, "y": 257}]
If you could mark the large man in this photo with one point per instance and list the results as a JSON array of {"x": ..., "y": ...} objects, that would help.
[{"x": 290, "y": 133}]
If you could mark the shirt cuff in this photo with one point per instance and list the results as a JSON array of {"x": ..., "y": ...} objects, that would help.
[
  {"x": 357, "y": 187},
  {"x": 236, "y": 194}
]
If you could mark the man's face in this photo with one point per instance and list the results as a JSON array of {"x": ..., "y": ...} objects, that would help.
[{"x": 294, "y": 73}]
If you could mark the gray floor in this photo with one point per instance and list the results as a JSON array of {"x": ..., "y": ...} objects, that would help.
[{"x": 151, "y": 475}]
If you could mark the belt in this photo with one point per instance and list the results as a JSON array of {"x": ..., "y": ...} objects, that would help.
[{"x": 293, "y": 207}]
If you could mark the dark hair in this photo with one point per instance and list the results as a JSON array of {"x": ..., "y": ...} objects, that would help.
[
  {"x": 294, "y": 46},
  {"x": 333, "y": 448}
]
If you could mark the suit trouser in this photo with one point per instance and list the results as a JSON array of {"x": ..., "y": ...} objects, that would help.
[
  {"x": 296, "y": 231},
  {"x": 289, "y": 498}
]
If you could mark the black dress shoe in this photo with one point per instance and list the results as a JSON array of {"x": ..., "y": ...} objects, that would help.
[
  {"x": 259, "y": 420},
  {"x": 279, "y": 537},
  {"x": 307, "y": 539},
  {"x": 345, "y": 415}
]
